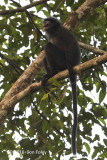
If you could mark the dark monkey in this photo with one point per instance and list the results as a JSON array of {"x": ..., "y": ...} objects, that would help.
[{"x": 62, "y": 52}]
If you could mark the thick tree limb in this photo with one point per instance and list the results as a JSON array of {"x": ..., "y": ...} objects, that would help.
[
  {"x": 85, "y": 9},
  {"x": 7, "y": 105},
  {"x": 22, "y": 9},
  {"x": 27, "y": 77}
]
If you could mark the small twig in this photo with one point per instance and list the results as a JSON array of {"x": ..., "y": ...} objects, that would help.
[
  {"x": 16, "y": 68},
  {"x": 30, "y": 18},
  {"x": 22, "y": 9}
]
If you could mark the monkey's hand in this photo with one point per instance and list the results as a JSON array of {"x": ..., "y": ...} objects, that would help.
[{"x": 45, "y": 79}]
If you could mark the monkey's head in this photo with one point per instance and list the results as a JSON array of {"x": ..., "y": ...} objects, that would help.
[{"x": 49, "y": 24}]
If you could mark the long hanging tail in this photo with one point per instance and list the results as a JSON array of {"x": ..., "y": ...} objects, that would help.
[{"x": 75, "y": 118}]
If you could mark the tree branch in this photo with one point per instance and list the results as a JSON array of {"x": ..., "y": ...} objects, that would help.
[
  {"x": 16, "y": 68},
  {"x": 91, "y": 48},
  {"x": 27, "y": 77},
  {"x": 79, "y": 15},
  {"x": 7, "y": 104},
  {"x": 30, "y": 19},
  {"x": 22, "y": 9}
]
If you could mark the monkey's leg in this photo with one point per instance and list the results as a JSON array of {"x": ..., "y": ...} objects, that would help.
[{"x": 50, "y": 62}]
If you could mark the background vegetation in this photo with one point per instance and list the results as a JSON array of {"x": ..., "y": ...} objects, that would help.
[{"x": 37, "y": 128}]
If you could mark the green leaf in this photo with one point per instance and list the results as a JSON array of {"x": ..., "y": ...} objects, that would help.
[
  {"x": 87, "y": 147},
  {"x": 97, "y": 86},
  {"x": 102, "y": 120},
  {"x": 46, "y": 13},
  {"x": 54, "y": 82},
  {"x": 105, "y": 141},
  {"x": 39, "y": 7},
  {"x": 45, "y": 96},
  {"x": 82, "y": 101},
  {"x": 104, "y": 113},
  {"x": 6, "y": 1},
  {"x": 45, "y": 126},
  {"x": 94, "y": 154},
  {"x": 102, "y": 93}
]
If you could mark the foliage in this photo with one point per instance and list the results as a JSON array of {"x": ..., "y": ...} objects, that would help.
[{"x": 38, "y": 128}]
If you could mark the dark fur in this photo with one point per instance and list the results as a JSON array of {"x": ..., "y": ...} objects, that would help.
[{"x": 62, "y": 52}]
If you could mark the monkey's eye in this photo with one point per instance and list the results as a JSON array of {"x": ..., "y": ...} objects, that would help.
[{"x": 46, "y": 25}]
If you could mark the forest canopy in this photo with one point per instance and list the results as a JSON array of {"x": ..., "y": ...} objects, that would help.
[{"x": 37, "y": 123}]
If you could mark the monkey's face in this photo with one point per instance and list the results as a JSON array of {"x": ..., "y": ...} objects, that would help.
[
  {"x": 47, "y": 25},
  {"x": 50, "y": 24}
]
